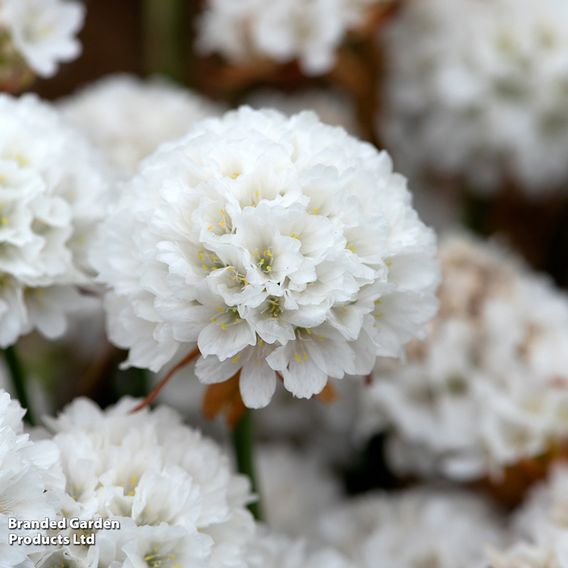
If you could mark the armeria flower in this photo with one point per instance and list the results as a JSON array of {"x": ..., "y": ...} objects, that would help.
[
  {"x": 43, "y": 31},
  {"x": 274, "y": 550},
  {"x": 52, "y": 196},
  {"x": 278, "y": 246},
  {"x": 171, "y": 490},
  {"x": 488, "y": 387},
  {"x": 332, "y": 108},
  {"x": 477, "y": 89},
  {"x": 30, "y": 480},
  {"x": 426, "y": 527},
  {"x": 128, "y": 118},
  {"x": 283, "y": 31}
]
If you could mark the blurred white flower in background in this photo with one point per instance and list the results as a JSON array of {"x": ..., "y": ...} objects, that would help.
[
  {"x": 479, "y": 89},
  {"x": 127, "y": 118},
  {"x": 332, "y": 107},
  {"x": 172, "y": 490},
  {"x": 550, "y": 553},
  {"x": 546, "y": 509},
  {"x": 43, "y": 31},
  {"x": 31, "y": 482},
  {"x": 323, "y": 429},
  {"x": 292, "y": 506},
  {"x": 277, "y": 245},
  {"x": 420, "y": 528},
  {"x": 489, "y": 386},
  {"x": 52, "y": 196},
  {"x": 282, "y": 30},
  {"x": 274, "y": 550}
]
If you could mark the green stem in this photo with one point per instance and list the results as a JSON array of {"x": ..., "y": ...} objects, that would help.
[
  {"x": 19, "y": 381},
  {"x": 164, "y": 37},
  {"x": 244, "y": 451},
  {"x": 141, "y": 386}
]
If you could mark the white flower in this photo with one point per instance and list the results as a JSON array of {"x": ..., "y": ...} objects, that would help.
[
  {"x": 423, "y": 528},
  {"x": 128, "y": 118},
  {"x": 310, "y": 32},
  {"x": 274, "y": 550},
  {"x": 477, "y": 89},
  {"x": 296, "y": 488},
  {"x": 333, "y": 108},
  {"x": 43, "y": 31},
  {"x": 52, "y": 195},
  {"x": 276, "y": 245},
  {"x": 489, "y": 386},
  {"x": 172, "y": 491},
  {"x": 30, "y": 481}
]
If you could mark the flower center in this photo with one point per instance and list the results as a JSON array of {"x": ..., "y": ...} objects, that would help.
[
  {"x": 273, "y": 307},
  {"x": 155, "y": 559},
  {"x": 227, "y": 317},
  {"x": 130, "y": 486},
  {"x": 209, "y": 261},
  {"x": 265, "y": 260}
]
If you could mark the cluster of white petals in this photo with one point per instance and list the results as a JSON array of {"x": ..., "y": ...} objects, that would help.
[
  {"x": 30, "y": 480},
  {"x": 43, "y": 32},
  {"x": 282, "y": 31},
  {"x": 489, "y": 385},
  {"x": 485, "y": 100},
  {"x": 333, "y": 108},
  {"x": 171, "y": 490},
  {"x": 277, "y": 245},
  {"x": 52, "y": 196},
  {"x": 421, "y": 528},
  {"x": 128, "y": 118},
  {"x": 274, "y": 550}
]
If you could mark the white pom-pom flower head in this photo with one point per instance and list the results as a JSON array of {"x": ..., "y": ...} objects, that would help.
[{"x": 279, "y": 246}]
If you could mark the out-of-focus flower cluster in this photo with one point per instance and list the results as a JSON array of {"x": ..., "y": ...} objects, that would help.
[
  {"x": 40, "y": 34},
  {"x": 488, "y": 386},
  {"x": 478, "y": 89},
  {"x": 109, "y": 113},
  {"x": 283, "y": 31}
]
